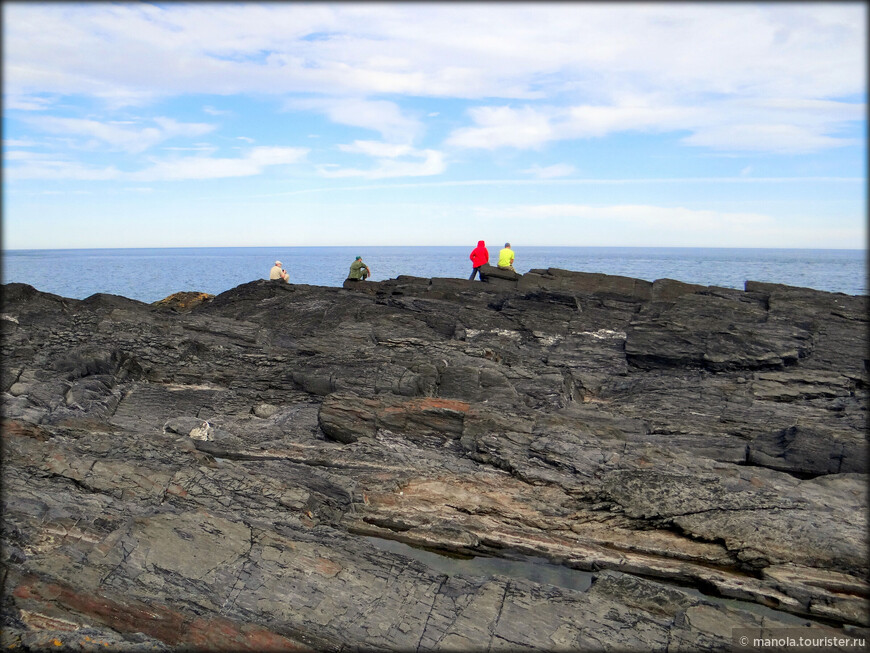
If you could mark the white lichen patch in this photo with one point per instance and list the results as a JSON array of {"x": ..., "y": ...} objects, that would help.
[
  {"x": 174, "y": 387},
  {"x": 602, "y": 334},
  {"x": 201, "y": 432},
  {"x": 547, "y": 339},
  {"x": 502, "y": 333}
]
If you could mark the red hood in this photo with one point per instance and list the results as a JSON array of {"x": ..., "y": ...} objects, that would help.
[{"x": 479, "y": 255}]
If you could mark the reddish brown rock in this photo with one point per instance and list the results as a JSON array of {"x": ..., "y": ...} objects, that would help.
[{"x": 183, "y": 302}]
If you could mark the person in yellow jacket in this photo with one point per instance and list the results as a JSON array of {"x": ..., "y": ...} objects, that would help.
[{"x": 506, "y": 258}]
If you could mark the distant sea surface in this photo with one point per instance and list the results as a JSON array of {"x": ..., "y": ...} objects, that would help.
[{"x": 152, "y": 274}]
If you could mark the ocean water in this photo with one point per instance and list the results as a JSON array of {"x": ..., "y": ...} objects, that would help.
[{"x": 152, "y": 274}]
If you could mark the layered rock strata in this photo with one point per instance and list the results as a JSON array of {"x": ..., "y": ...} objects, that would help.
[{"x": 213, "y": 473}]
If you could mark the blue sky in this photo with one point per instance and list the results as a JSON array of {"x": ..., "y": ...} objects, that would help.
[{"x": 283, "y": 124}]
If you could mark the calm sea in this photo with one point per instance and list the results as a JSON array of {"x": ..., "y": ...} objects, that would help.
[{"x": 152, "y": 274}]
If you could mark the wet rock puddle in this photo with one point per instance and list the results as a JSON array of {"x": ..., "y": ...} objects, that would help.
[{"x": 541, "y": 570}]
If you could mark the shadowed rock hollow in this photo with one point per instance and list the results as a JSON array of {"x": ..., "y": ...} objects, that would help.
[{"x": 226, "y": 472}]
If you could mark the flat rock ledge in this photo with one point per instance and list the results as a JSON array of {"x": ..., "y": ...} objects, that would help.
[{"x": 284, "y": 467}]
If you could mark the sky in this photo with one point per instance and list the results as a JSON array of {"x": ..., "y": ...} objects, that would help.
[{"x": 304, "y": 124}]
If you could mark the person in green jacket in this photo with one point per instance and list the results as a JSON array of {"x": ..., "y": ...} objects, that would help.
[{"x": 359, "y": 271}]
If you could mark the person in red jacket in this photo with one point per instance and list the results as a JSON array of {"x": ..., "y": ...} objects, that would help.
[{"x": 479, "y": 256}]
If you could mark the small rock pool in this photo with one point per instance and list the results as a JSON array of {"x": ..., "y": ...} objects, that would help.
[{"x": 541, "y": 570}]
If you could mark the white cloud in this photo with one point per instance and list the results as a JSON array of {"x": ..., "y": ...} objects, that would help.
[
  {"x": 390, "y": 165},
  {"x": 23, "y": 102},
  {"x": 514, "y": 50},
  {"x": 635, "y": 114},
  {"x": 273, "y": 155},
  {"x": 202, "y": 148},
  {"x": 18, "y": 142},
  {"x": 118, "y": 137},
  {"x": 533, "y": 127},
  {"x": 620, "y": 66},
  {"x": 254, "y": 162},
  {"x": 505, "y": 127},
  {"x": 378, "y": 115},
  {"x": 551, "y": 172},
  {"x": 785, "y": 127},
  {"x": 60, "y": 169},
  {"x": 216, "y": 112},
  {"x": 202, "y": 167},
  {"x": 377, "y": 149},
  {"x": 787, "y": 139},
  {"x": 24, "y": 155}
]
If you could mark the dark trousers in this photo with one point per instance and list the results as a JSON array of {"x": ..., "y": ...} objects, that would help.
[{"x": 474, "y": 271}]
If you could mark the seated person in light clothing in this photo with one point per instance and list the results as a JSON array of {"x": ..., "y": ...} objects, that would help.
[
  {"x": 506, "y": 258},
  {"x": 277, "y": 273}
]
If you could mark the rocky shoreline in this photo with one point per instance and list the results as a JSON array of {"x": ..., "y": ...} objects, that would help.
[{"x": 218, "y": 472}]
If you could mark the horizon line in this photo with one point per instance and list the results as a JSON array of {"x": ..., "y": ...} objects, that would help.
[{"x": 273, "y": 247}]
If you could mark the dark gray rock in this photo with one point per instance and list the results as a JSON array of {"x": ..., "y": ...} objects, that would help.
[
  {"x": 499, "y": 278},
  {"x": 205, "y": 474},
  {"x": 811, "y": 451},
  {"x": 594, "y": 283}
]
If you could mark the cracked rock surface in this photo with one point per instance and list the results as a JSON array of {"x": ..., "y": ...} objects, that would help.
[{"x": 240, "y": 472}]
